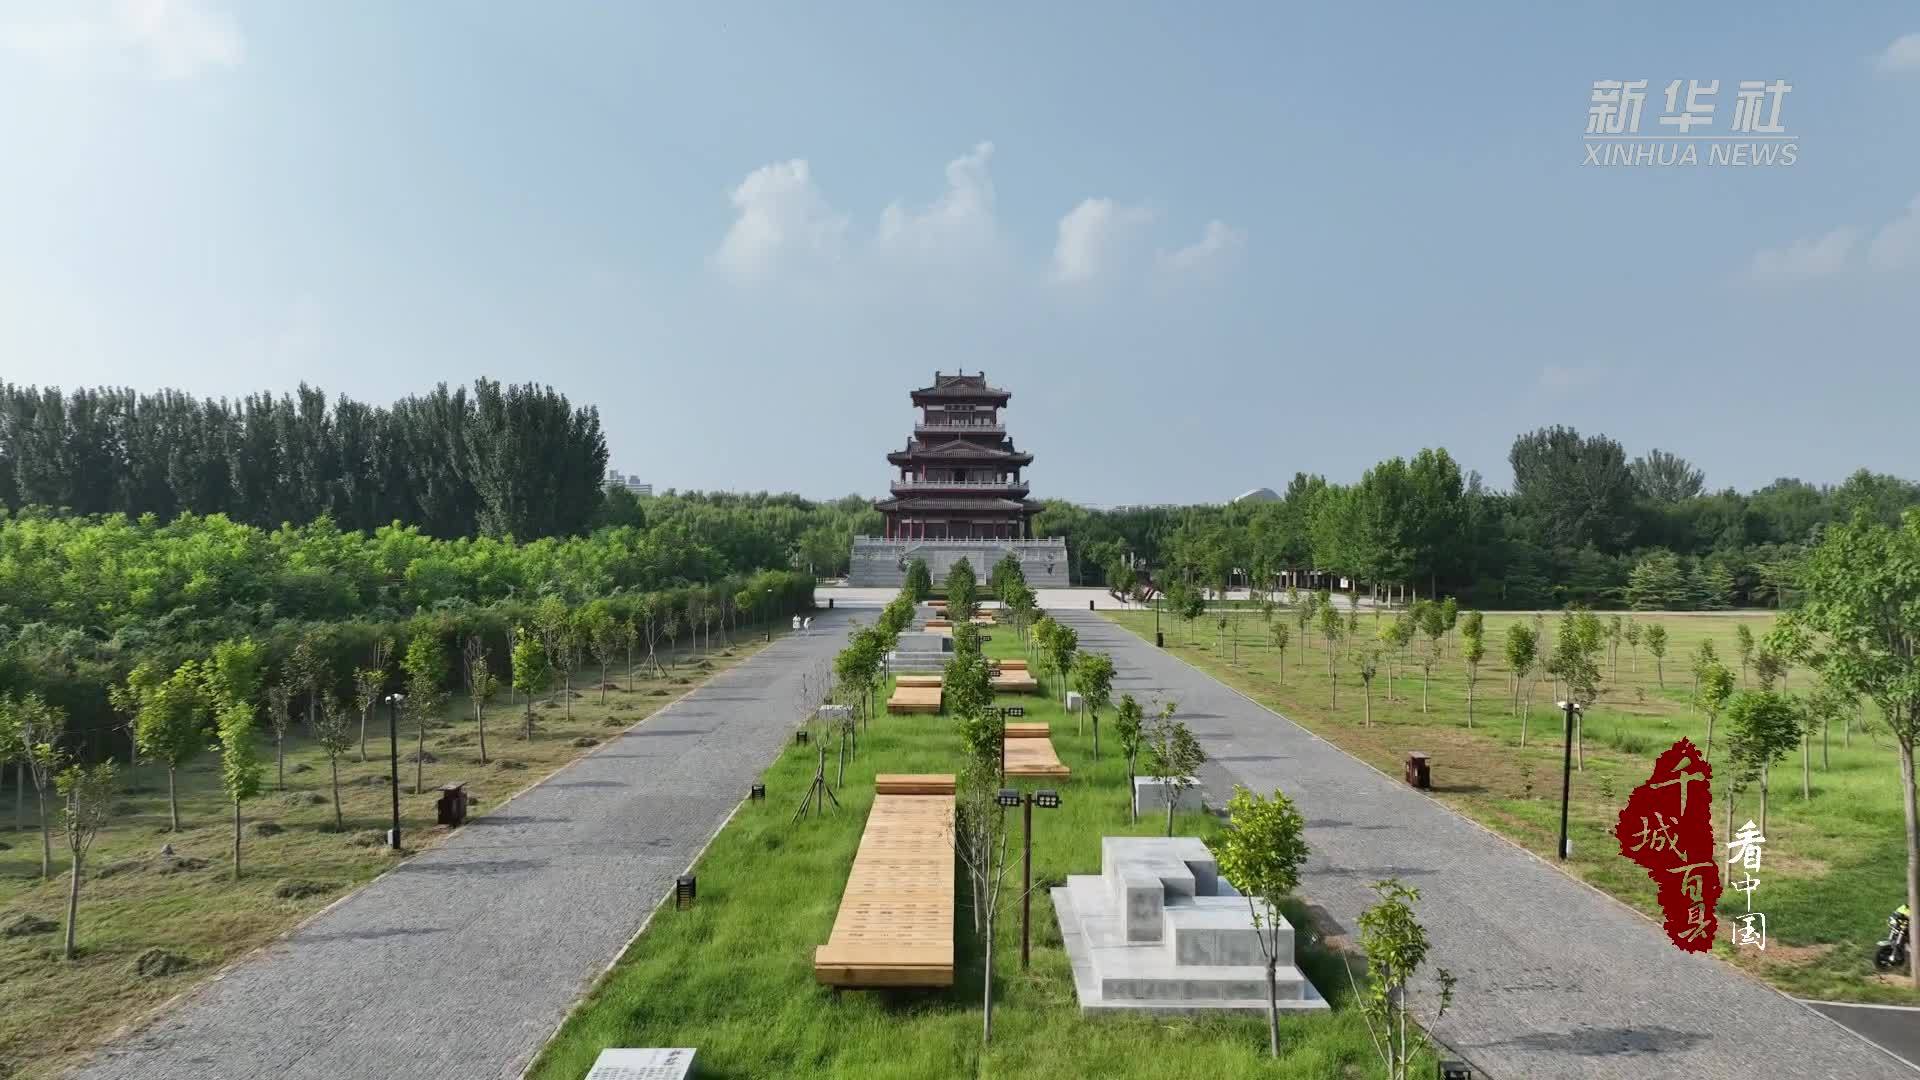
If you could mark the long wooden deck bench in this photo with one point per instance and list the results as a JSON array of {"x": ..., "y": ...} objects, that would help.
[
  {"x": 1011, "y": 665},
  {"x": 1034, "y": 757},
  {"x": 920, "y": 680},
  {"x": 1031, "y": 729},
  {"x": 914, "y": 699},
  {"x": 895, "y": 926}
]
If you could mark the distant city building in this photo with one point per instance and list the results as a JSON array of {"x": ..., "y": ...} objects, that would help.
[
  {"x": 631, "y": 483},
  {"x": 1258, "y": 495}
]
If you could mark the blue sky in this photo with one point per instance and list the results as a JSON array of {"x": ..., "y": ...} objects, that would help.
[{"x": 1205, "y": 248}]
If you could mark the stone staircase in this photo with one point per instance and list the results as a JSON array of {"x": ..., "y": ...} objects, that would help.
[{"x": 879, "y": 563}]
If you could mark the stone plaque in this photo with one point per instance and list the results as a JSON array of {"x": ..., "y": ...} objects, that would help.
[{"x": 674, "y": 1064}]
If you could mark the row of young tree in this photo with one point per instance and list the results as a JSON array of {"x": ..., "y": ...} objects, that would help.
[
  {"x": 1856, "y": 628},
  {"x": 79, "y": 672},
  {"x": 171, "y": 715},
  {"x": 1579, "y": 518},
  {"x": 516, "y": 461}
]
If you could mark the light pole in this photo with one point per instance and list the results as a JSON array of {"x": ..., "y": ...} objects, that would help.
[
  {"x": 1572, "y": 709},
  {"x": 393, "y": 763},
  {"x": 1046, "y": 799}
]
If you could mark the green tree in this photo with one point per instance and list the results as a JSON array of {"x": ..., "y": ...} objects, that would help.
[
  {"x": 1174, "y": 757},
  {"x": 1281, "y": 637},
  {"x": 1260, "y": 852},
  {"x": 482, "y": 685},
  {"x": 1523, "y": 649},
  {"x": 963, "y": 591},
  {"x": 172, "y": 727},
  {"x": 33, "y": 730},
  {"x": 426, "y": 668},
  {"x": 1093, "y": 674},
  {"x": 233, "y": 688},
  {"x": 1473, "y": 649},
  {"x": 1765, "y": 726},
  {"x": 531, "y": 673},
  {"x": 1667, "y": 478},
  {"x": 1396, "y": 946},
  {"x": 240, "y": 768},
  {"x": 1127, "y": 728},
  {"x": 1632, "y": 634},
  {"x": 1862, "y": 585},
  {"x": 1716, "y": 687},
  {"x": 1657, "y": 648},
  {"x": 367, "y": 684},
  {"x": 919, "y": 583},
  {"x": 1329, "y": 620},
  {"x": 279, "y": 714},
  {"x": 335, "y": 736},
  {"x": 1743, "y": 642},
  {"x": 86, "y": 796},
  {"x": 1059, "y": 642}
]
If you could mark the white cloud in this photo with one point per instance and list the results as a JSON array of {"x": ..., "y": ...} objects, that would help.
[
  {"x": 959, "y": 223},
  {"x": 1217, "y": 242},
  {"x": 782, "y": 217},
  {"x": 1901, "y": 56},
  {"x": 1897, "y": 244},
  {"x": 1816, "y": 257},
  {"x": 166, "y": 39},
  {"x": 1094, "y": 236},
  {"x": 784, "y": 224}
]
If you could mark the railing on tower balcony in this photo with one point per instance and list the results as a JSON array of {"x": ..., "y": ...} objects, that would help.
[
  {"x": 961, "y": 427},
  {"x": 902, "y": 487}
]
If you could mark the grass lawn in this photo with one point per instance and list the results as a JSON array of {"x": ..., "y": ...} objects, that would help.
[
  {"x": 734, "y": 976},
  {"x": 132, "y": 901},
  {"x": 1834, "y": 865}
]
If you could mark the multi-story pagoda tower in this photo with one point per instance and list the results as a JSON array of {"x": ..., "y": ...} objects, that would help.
[
  {"x": 958, "y": 494},
  {"x": 959, "y": 477}
]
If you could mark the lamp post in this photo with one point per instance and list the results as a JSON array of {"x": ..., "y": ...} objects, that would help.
[
  {"x": 1046, "y": 799},
  {"x": 393, "y": 763},
  {"x": 1158, "y": 641},
  {"x": 1572, "y": 709}
]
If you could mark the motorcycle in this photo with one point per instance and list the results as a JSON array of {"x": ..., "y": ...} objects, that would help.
[{"x": 1892, "y": 953}]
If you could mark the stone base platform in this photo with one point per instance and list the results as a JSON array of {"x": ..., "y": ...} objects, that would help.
[{"x": 1159, "y": 931}]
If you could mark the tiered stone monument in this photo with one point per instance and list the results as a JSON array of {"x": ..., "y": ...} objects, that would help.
[{"x": 1159, "y": 930}]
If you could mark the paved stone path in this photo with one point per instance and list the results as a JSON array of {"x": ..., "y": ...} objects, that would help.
[
  {"x": 1556, "y": 979},
  {"x": 463, "y": 960}
]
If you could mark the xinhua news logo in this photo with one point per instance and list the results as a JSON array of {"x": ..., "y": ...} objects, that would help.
[{"x": 1754, "y": 135}]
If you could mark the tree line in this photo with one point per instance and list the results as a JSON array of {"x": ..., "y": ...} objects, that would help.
[
  {"x": 516, "y": 461},
  {"x": 1579, "y": 520}
]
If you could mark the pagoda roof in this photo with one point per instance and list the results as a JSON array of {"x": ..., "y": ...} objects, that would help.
[
  {"x": 960, "y": 449},
  {"x": 961, "y": 387},
  {"x": 939, "y": 502}
]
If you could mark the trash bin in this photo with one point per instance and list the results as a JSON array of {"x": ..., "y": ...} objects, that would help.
[
  {"x": 453, "y": 805},
  {"x": 1417, "y": 773},
  {"x": 1089, "y": 605},
  {"x": 1159, "y": 640}
]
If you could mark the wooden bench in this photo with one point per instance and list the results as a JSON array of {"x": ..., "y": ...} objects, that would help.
[
  {"x": 1033, "y": 757},
  {"x": 1010, "y": 665},
  {"x": 920, "y": 680},
  {"x": 1031, "y": 729},
  {"x": 1014, "y": 681},
  {"x": 914, "y": 699},
  {"x": 895, "y": 926}
]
